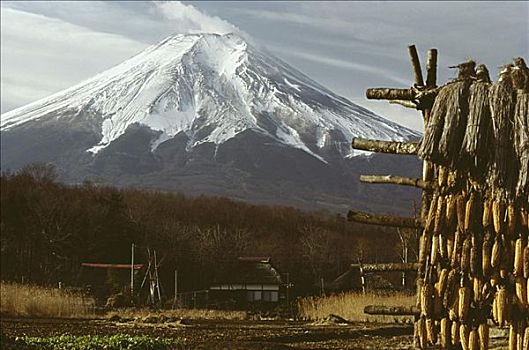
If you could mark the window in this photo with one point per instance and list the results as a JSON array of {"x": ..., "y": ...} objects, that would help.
[
  {"x": 270, "y": 296},
  {"x": 254, "y": 295}
]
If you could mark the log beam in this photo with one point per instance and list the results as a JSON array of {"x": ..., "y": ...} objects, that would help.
[
  {"x": 383, "y": 220},
  {"x": 390, "y": 94},
  {"x": 389, "y": 267},
  {"x": 391, "y": 310},
  {"x": 397, "y": 180},
  {"x": 404, "y": 103},
  {"x": 409, "y": 148}
]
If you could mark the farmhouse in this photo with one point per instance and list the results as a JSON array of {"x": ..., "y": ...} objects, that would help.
[{"x": 251, "y": 280}]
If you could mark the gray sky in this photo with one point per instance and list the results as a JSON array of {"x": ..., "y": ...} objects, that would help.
[{"x": 346, "y": 46}]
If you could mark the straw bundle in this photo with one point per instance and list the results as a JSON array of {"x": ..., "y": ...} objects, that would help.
[
  {"x": 502, "y": 105},
  {"x": 455, "y": 121},
  {"x": 434, "y": 127},
  {"x": 520, "y": 78},
  {"x": 475, "y": 150}
]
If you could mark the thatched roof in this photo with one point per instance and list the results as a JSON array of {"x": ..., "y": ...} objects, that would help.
[{"x": 250, "y": 270}]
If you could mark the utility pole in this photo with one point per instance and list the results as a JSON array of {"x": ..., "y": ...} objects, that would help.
[
  {"x": 132, "y": 273},
  {"x": 175, "y": 288}
]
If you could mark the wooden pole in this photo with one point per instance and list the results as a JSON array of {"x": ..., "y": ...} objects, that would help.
[
  {"x": 157, "y": 278},
  {"x": 132, "y": 272},
  {"x": 431, "y": 68},
  {"x": 383, "y": 220},
  {"x": 394, "y": 147},
  {"x": 362, "y": 278},
  {"x": 175, "y": 288},
  {"x": 396, "y": 180},
  {"x": 416, "y": 65}
]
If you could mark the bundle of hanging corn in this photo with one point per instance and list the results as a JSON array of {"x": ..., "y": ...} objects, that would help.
[
  {"x": 520, "y": 79},
  {"x": 434, "y": 128},
  {"x": 446, "y": 127},
  {"x": 503, "y": 164},
  {"x": 475, "y": 151},
  {"x": 474, "y": 248}
]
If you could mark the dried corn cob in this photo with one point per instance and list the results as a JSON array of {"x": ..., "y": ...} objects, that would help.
[
  {"x": 511, "y": 218},
  {"x": 461, "y": 204},
  {"x": 526, "y": 261},
  {"x": 427, "y": 300},
  {"x": 439, "y": 214},
  {"x": 464, "y": 302},
  {"x": 477, "y": 287},
  {"x": 521, "y": 291},
  {"x": 495, "y": 259},
  {"x": 424, "y": 248},
  {"x": 431, "y": 331},
  {"x": 455, "y": 260},
  {"x": 451, "y": 216},
  {"x": 450, "y": 246},
  {"x": 518, "y": 257},
  {"x": 512, "y": 337},
  {"x": 454, "y": 333},
  {"x": 443, "y": 248},
  {"x": 444, "y": 333},
  {"x": 442, "y": 176},
  {"x": 486, "y": 251},
  {"x": 483, "y": 332},
  {"x": 451, "y": 290},
  {"x": 430, "y": 220},
  {"x": 465, "y": 255},
  {"x": 443, "y": 282},
  {"x": 473, "y": 340},
  {"x": 464, "y": 334},
  {"x": 519, "y": 335},
  {"x": 487, "y": 213},
  {"x": 502, "y": 306},
  {"x": 434, "y": 258},
  {"x": 498, "y": 213},
  {"x": 470, "y": 210}
]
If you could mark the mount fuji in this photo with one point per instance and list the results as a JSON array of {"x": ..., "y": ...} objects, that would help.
[{"x": 211, "y": 114}]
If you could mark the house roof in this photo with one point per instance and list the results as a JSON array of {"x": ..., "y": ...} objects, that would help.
[
  {"x": 113, "y": 266},
  {"x": 251, "y": 270}
]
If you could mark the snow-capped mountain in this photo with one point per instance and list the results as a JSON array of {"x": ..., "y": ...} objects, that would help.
[{"x": 188, "y": 93}]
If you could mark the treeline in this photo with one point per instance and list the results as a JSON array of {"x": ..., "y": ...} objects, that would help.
[{"x": 48, "y": 229}]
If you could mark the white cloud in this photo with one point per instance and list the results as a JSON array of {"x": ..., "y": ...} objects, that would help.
[
  {"x": 349, "y": 65},
  {"x": 42, "y": 55},
  {"x": 187, "y": 19}
]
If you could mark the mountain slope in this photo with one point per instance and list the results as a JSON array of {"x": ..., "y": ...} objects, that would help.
[{"x": 202, "y": 114}]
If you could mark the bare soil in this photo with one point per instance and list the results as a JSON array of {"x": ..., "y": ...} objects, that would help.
[{"x": 233, "y": 335}]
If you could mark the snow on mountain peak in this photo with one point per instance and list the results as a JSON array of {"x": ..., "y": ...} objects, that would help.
[{"x": 211, "y": 87}]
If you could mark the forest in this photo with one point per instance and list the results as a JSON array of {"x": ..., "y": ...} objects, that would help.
[{"x": 49, "y": 228}]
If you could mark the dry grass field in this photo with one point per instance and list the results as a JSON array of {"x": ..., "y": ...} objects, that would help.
[
  {"x": 35, "y": 301},
  {"x": 191, "y": 314},
  {"x": 351, "y": 306}
]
